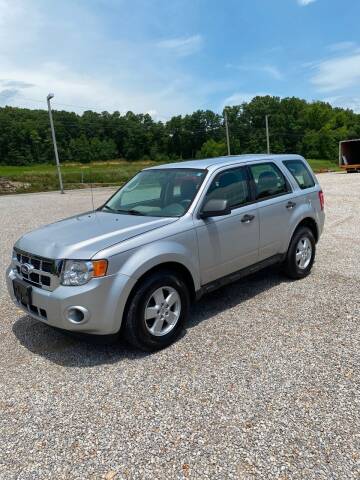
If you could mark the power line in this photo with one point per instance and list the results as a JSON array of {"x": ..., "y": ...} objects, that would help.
[
  {"x": 33, "y": 100},
  {"x": 236, "y": 130}
]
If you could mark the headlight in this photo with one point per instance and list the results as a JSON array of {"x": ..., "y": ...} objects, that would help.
[{"x": 79, "y": 272}]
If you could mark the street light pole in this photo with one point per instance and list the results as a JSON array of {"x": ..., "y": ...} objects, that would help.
[
  {"x": 227, "y": 132},
  {"x": 267, "y": 133},
  {"x": 48, "y": 98}
]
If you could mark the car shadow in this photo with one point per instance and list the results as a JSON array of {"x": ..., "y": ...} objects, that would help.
[
  {"x": 235, "y": 293},
  {"x": 67, "y": 350}
]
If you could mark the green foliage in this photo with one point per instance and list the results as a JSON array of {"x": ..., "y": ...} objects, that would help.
[
  {"x": 296, "y": 126},
  {"x": 211, "y": 149}
]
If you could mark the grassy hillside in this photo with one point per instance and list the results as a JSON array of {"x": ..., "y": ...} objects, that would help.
[{"x": 38, "y": 178}]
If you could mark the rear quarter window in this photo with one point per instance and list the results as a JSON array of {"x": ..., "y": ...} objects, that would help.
[{"x": 300, "y": 173}]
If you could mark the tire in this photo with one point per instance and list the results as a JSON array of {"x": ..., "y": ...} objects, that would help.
[
  {"x": 295, "y": 265},
  {"x": 164, "y": 328}
]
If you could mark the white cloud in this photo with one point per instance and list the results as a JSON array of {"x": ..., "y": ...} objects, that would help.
[
  {"x": 182, "y": 46},
  {"x": 238, "y": 98},
  {"x": 337, "y": 73},
  {"x": 271, "y": 70},
  {"x": 7, "y": 95},
  {"x": 340, "y": 46},
  {"x": 78, "y": 92},
  {"x": 15, "y": 83},
  {"x": 303, "y": 3},
  {"x": 42, "y": 51},
  {"x": 345, "y": 101}
]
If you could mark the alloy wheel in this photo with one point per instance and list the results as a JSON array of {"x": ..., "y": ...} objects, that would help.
[
  {"x": 303, "y": 253},
  {"x": 162, "y": 311}
]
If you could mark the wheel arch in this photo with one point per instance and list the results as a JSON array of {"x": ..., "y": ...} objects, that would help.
[
  {"x": 172, "y": 266},
  {"x": 306, "y": 221},
  {"x": 310, "y": 223}
]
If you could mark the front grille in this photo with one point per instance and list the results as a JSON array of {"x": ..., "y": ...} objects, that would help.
[{"x": 43, "y": 272}]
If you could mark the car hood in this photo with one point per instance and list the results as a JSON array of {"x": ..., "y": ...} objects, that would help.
[{"x": 82, "y": 236}]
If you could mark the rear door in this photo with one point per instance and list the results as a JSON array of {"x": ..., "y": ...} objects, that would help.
[
  {"x": 307, "y": 194},
  {"x": 276, "y": 207},
  {"x": 230, "y": 242}
]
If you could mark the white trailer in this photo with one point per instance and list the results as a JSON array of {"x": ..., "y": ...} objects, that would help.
[{"x": 349, "y": 155}]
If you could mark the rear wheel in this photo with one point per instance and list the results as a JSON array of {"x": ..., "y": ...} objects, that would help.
[
  {"x": 157, "y": 311},
  {"x": 301, "y": 254}
]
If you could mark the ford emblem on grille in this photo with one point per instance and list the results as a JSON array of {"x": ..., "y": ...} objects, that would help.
[{"x": 26, "y": 268}]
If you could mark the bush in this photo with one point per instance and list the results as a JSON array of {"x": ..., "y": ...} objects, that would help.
[
  {"x": 211, "y": 148},
  {"x": 162, "y": 158}
]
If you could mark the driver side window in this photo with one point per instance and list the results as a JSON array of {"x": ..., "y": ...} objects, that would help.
[{"x": 231, "y": 185}]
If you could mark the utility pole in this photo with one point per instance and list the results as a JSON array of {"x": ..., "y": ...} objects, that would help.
[
  {"x": 227, "y": 131},
  {"x": 48, "y": 98},
  {"x": 267, "y": 133}
]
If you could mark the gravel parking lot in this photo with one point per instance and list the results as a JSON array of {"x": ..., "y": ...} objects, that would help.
[{"x": 263, "y": 384}]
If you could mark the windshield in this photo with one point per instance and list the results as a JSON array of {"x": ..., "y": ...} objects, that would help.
[{"x": 166, "y": 192}]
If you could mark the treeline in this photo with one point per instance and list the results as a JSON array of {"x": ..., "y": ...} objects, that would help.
[{"x": 311, "y": 129}]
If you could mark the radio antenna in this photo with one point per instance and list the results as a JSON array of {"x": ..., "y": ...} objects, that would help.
[{"x": 92, "y": 193}]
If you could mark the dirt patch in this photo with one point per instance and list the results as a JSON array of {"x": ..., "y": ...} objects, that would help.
[{"x": 8, "y": 186}]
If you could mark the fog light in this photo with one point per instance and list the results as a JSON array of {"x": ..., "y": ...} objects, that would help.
[{"x": 77, "y": 314}]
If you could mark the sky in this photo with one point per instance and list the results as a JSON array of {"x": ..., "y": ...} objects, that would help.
[{"x": 172, "y": 57}]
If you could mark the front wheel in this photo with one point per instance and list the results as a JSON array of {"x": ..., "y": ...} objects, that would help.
[
  {"x": 157, "y": 311},
  {"x": 301, "y": 254}
]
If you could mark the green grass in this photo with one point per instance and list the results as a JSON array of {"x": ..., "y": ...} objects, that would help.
[
  {"x": 321, "y": 165},
  {"x": 75, "y": 175},
  {"x": 45, "y": 177}
]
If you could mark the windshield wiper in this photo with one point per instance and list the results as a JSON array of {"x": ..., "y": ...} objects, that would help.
[
  {"x": 108, "y": 208},
  {"x": 132, "y": 211}
]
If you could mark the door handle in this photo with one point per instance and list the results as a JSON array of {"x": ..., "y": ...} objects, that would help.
[
  {"x": 290, "y": 205},
  {"x": 247, "y": 218}
]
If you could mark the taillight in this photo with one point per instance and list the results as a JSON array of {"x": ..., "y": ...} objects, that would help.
[{"x": 321, "y": 198}]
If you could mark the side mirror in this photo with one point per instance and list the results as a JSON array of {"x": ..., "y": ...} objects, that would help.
[{"x": 215, "y": 208}]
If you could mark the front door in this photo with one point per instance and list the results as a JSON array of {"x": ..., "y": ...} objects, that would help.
[{"x": 230, "y": 242}]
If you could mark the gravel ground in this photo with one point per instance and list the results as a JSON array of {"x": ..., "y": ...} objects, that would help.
[{"x": 263, "y": 384}]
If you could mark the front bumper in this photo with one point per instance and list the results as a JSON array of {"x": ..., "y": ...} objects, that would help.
[{"x": 103, "y": 298}]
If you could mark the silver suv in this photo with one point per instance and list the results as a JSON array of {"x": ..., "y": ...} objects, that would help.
[{"x": 170, "y": 234}]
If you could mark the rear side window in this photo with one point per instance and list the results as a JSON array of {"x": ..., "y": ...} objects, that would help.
[
  {"x": 300, "y": 172},
  {"x": 269, "y": 181}
]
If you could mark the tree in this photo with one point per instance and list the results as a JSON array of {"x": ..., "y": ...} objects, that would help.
[
  {"x": 211, "y": 148},
  {"x": 80, "y": 150},
  {"x": 296, "y": 126}
]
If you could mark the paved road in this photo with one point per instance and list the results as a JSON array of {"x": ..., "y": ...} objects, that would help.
[{"x": 263, "y": 384}]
